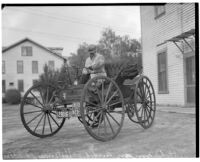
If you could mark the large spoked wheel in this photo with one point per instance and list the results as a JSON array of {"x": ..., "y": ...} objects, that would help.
[
  {"x": 102, "y": 100},
  {"x": 145, "y": 102},
  {"x": 38, "y": 111}
]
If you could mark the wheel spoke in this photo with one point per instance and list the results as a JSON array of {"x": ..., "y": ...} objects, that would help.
[
  {"x": 139, "y": 108},
  {"x": 44, "y": 124},
  {"x": 150, "y": 108},
  {"x": 113, "y": 118},
  {"x": 47, "y": 95},
  {"x": 147, "y": 116},
  {"x": 111, "y": 97},
  {"x": 54, "y": 120},
  {"x": 98, "y": 93},
  {"x": 142, "y": 112},
  {"x": 99, "y": 123},
  {"x": 93, "y": 111},
  {"x": 42, "y": 96},
  {"x": 107, "y": 93},
  {"x": 141, "y": 87},
  {"x": 34, "y": 118},
  {"x": 35, "y": 105},
  {"x": 110, "y": 124},
  {"x": 104, "y": 124},
  {"x": 115, "y": 103},
  {"x": 145, "y": 90},
  {"x": 39, "y": 122},
  {"x": 53, "y": 113},
  {"x": 91, "y": 103},
  {"x": 51, "y": 98},
  {"x": 139, "y": 95},
  {"x": 30, "y": 112},
  {"x": 49, "y": 122},
  {"x": 102, "y": 91},
  {"x": 36, "y": 98},
  {"x": 118, "y": 112},
  {"x": 95, "y": 118}
]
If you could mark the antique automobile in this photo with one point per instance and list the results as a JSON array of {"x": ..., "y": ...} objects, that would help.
[{"x": 100, "y": 104}]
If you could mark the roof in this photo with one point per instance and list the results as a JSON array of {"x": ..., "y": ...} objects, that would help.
[
  {"x": 28, "y": 39},
  {"x": 183, "y": 36},
  {"x": 55, "y": 48}
]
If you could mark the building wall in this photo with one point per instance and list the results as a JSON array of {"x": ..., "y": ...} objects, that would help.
[
  {"x": 176, "y": 20},
  {"x": 38, "y": 54}
]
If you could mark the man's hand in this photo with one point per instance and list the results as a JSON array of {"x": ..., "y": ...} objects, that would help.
[{"x": 90, "y": 68}]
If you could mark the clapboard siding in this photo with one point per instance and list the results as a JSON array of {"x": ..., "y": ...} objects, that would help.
[
  {"x": 11, "y": 56},
  {"x": 177, "y": 19}
]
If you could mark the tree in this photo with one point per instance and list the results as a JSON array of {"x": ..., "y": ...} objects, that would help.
[
  {"x": 77, "y": 61},
  {"x": 111, "y": 45}
]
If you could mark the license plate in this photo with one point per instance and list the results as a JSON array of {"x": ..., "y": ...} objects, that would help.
[
  {"x": 63, "y": 114},
  {"x": 72, "y": 111}
]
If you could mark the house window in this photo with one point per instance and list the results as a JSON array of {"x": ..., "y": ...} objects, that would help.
[
  {"x": 26, "y": 51},
  {"x": 3, "y": 67},
  {"x": 21, "y": 85},
  {"x": 20, "y": 67},
  {"x": 34, "y": 67},
  {"x": 159, "y": 11},
  {"x": 162, "y": 72},
  {"x": 51, "y": 64},
  {"x": 3, "y": 86}
]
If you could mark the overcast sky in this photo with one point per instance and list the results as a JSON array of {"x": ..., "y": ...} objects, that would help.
[{"x": 68, "y": 26}]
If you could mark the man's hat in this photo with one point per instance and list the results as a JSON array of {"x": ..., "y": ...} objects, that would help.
[{"x": 92, "y": 48}]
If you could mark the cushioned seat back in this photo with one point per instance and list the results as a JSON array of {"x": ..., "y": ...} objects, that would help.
[{"x": 112, "y": 69}]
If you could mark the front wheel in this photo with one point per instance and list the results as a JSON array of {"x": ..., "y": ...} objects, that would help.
[
  {"x": 38, "y": 111},
  {"x": 102, "y": 100}
]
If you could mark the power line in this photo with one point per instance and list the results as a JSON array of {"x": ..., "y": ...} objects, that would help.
[
  {"x": 66, "y": 19},
  {"x": 48, "y": 34},
  {"x": 78, "y": 19}
]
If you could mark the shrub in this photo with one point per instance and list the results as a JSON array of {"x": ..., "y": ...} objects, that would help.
[
  {"x": 3, "y": 100},
  {"x": 13, "y": 96},
  {"x": 48, "y": 76},
  {"x": 53, "y": 76}
]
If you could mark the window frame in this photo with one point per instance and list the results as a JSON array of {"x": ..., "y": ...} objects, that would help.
[
  {"x": 156, "y": 11},
  {"x": 20, "y": 72},
  {"x": 18, "y": 83},
  {"x": 51, "y": 66},
  {"x": 166, "y": 91},
  {"x": 3, "y": 66},
  {"x": 3, "y": 87},
  {"x": 35, "y": 71},
  {"x": 26, "y": 50}
]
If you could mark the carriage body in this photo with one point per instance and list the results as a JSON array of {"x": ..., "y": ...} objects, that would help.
[{"x": 99, "y": 104}]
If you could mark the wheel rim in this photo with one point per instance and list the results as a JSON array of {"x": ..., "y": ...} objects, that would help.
[
  {"x": 109, "y": 108},
  {"x": 131, "y": 112},
  {"x": 145, "y": 102},
  {"x": 38, "y": 111}
]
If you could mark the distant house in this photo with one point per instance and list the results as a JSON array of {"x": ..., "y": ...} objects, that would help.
[
  {"x": 23, "y": 62},
  {"x": 168, "y": 51}
]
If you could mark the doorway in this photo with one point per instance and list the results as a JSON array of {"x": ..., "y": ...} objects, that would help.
[{"x": 190, "y": 79}]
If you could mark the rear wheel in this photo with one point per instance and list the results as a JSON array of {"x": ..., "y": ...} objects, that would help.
[
  {"x": 102, "y": 100},
  {"x": 144, "y": 102},
  {"x": 38, "y": 111}
]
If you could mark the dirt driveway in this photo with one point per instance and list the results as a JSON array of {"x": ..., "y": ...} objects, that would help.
[{"x": 172, "y": 135}]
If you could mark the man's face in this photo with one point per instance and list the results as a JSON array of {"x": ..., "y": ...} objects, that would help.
[{"x": 92, "y": 54}]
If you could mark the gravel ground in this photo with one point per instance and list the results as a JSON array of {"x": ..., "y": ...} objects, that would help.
[{"x": 171, "y": 135}]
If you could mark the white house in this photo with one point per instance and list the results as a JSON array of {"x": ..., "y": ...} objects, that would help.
[
  {"x": 168, "y": 51},
  {"x": 23, "y": 62}
]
